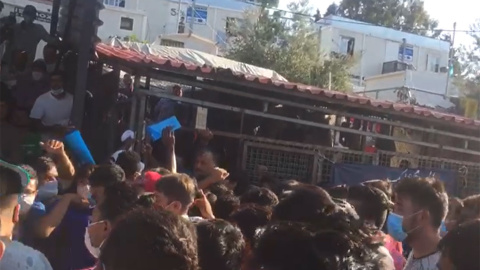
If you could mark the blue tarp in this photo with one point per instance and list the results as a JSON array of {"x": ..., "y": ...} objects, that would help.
[{"x": 353, "y": 174}]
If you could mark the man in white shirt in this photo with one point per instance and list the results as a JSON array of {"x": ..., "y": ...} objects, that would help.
[
  {"x": 423, "y": 203},
  {"x": 51, "y": 111},
  {"x": 14, "y": 255}
]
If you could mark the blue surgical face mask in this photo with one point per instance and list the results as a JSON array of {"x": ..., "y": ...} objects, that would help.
[
  {"x": 394, "y": 227},
  {"x": 47, "y": 191}
]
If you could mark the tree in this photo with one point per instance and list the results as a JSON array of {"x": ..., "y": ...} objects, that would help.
[
  {"x": 467, "y": 65},
  {"x": 290, "y": 46},
  {"x": 396, "y": 14}
]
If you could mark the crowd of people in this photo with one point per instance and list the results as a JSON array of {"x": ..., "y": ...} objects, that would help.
[{"x": 131, "y": 213}]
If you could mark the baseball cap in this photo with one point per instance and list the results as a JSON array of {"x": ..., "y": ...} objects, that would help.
[{"x": 150, "y": 179}]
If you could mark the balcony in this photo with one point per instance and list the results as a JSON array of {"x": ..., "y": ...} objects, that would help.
[{"x": 395, "y": 66}]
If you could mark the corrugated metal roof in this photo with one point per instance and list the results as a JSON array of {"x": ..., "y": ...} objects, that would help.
[{"x": 135, "y": 57}]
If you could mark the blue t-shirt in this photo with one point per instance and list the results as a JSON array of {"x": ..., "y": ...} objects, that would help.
[{"x": 65, "y": 247}]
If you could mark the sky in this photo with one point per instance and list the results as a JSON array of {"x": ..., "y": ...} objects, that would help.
[{"x": 463, "y": 12}]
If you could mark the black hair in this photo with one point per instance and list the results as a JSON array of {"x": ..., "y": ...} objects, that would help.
[
  {"x": 219, "y": 189},
  {"x": 106, "y": 175},
  {"x": 207, "y": 151},
  {"x": 220, "y": 245},
  {"x": 299, "y": 246},
  {"x": 225, "y": 205},
  {"x": 370, "y": 203},
  {"x": 146, "y": 200},
  {"x": 43, "y": 164},
  {"x": 10, "y": 184},
  {"x": 260, "y": 196},
  {"x": 151, "y": 239},
  {"x": 128, "y": 161},
  {"x": 249, "y": 218},
  {"x": 338, "y": 192},
  {"x": 426, "y": 193},
  {"x": 40, "y": 64},
  {"x": 305, "y": 204},
  {"x": 120, "y": 198},
  {"x": 462, "y": 245}
]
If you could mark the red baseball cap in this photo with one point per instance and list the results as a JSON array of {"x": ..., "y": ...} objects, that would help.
[{"x": 150, "y": 179}]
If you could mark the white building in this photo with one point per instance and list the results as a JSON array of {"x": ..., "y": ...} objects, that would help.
[
  {"x": 383, "y": 55},
  {"x": 148, "y": 20}
]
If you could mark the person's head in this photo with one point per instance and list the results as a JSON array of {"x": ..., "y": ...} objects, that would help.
[
  {"x": 306, "y": 204},
  {"x": 339, "y": 192},
  {"x": 50, "y": 53},
  {"x": 29, "y": 14},
  {"x": 10, "y": 189},
  {"x": 27, "y": 198},
  {"x": 220, "y": 245},
  {"x": 127, "y": 79},
  {"x": 205, "y": 163},
  {"x": 383, "y": 185},
  {"x": 177, "y": 90},
  {"x": 39, "y": 69},
  {"x": 292, "y": 246},
  {"x": 148, "y": 239},
  {"x": 423, "y": 204},
  {"x": 56, "y": 84},
  {"x": 129, "y": 161},
  {"x": 260, "y": 196},
  {"x": 119, "y": 199},
  {"x": 147, "y": 200},
  {"x": 149, "y": 180},
  {"x": 225, "y": 205},
  {"x": 46, "y": 170},
  {"x": 460, "y": 247},
  {"x": 175, "y": 193},
  {"x": 455, "y": 207},
  {"x": 102, "y": 177},
  {"x": 471, "y": 208},
  {"x": 371, "y": 204},
  {"x": 250, "y": 217},
  {"x": 81, "y": 184}
]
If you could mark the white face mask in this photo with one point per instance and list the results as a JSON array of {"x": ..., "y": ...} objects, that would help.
[
  {"x": 84, "y": 191},
  {"x": 56, "y": 92},
  {"x": 26, "y": 202},
  {"x": 48, "y": 191},
  {"x": 37, "y": 75}
]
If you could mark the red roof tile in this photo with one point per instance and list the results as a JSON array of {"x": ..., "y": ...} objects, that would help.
[{"x": 158, "y": 62}]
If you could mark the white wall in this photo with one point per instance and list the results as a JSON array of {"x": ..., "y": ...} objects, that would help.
[{"x": 371, "y": 52}]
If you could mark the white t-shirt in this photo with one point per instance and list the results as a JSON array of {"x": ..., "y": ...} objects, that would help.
[
  {"x": 20, "y": 257},
  {"x": 425, "y": 263},
  {"x": 52, "y": 111}
]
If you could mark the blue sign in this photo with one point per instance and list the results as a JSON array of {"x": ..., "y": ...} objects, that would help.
[
  {"x": 198, "y": 13},
  {"x": 354, "y": 174},
  {"x": 405, "y": 54}
]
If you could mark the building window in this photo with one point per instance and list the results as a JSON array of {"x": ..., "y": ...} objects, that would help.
[
  {"x": 433, "y": 63},
  {"x": 181, "y": 25},
  {"x": 172, "y": 43},
  {"x": 347, "y": 45},
  {"x": 230, "y": 26},
  {"x": 126, "y": 23},
  {"x": 115, "y": 3}
]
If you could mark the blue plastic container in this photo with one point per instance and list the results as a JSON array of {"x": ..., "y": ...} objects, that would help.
[{"x": 80, "y": 151}]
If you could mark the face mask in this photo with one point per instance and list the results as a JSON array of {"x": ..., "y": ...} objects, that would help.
[
  {"x": 37, "y": 75},
  {"x": 48, "y": 191},
  {"x": 11, "y": 83},
  {"x": 410, "y": 231},
  {"x": 84, "y": 191},
  {"x": 95, "y": 251},
  {"x": 394, "y": 227},
  {"x": 26, "y": 202},
  {"x": 56, "y": 92}
]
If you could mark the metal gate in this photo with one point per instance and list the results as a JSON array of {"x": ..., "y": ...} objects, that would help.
[{"x": 313, "y": 164}]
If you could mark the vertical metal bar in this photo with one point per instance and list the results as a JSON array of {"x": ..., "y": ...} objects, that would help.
[
  {"x": 141, "y": 122},
  {"x": 55, "y": 16},
  {"x": 133, "y": 108},
  {"x": 82, "y": 65}
]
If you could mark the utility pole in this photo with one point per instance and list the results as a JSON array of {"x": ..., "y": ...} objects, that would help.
[
  {"x": 450, "y": 56},
  {"x": 190, "y": 32},
  {"x": 179, "y": 14},
  {"x": 55, "y": 16}
]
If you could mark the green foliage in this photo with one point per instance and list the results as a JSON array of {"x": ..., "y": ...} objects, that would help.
[
  {"x": 289, "y": 46},
  {"x": 467, "y": 65},
  {"x": 394, "y": 14}
]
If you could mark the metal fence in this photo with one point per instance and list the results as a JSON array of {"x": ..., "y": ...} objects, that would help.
[{"x": 313, "y": 164}]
